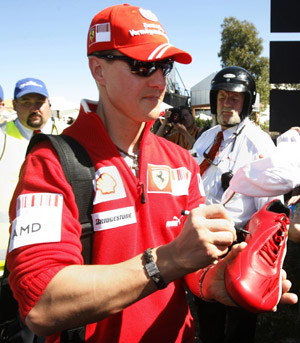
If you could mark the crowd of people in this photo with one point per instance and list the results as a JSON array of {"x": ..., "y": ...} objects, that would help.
[{"x": 166, "y": 217}]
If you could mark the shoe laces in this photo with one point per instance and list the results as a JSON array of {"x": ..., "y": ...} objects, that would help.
[{"x": 270, "y": 250}]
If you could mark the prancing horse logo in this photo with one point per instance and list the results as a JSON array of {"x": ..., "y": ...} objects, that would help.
[{"x": 161, "y": 178}]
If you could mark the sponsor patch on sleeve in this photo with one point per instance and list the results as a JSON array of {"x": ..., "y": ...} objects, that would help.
[
  {"x": 38, "y": 220},
  {"x": 115, "y": 218}
]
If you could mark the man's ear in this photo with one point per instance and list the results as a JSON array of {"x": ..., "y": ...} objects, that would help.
[
  {"x": 96, "y": 68},
  {"x": 14, "y": 104}
]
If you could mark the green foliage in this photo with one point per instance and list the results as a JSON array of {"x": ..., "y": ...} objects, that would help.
[
  {"x": 287, "y": 86},
  {"x": 203, "y": 122},
  {"x": 242, "y": 47}
]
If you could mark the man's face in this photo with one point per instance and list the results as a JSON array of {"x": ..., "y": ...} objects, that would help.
[
  {"x": 229, "y": 107},
  {"x": 135, "y": 97},
  {"x": 188, "y": 119},
  {"x": 33, "y": 110}
]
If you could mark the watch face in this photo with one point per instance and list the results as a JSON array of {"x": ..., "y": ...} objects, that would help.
[{"x": 151, "y": 268}]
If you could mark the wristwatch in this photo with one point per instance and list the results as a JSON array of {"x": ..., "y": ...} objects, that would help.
[{"x": 152, "y": 269}]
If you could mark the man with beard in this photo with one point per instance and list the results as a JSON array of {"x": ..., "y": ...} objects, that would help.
[
  {"x": 31, "y": 102},
  {"x": 232, "y": 96},
  {"x": 221, "y": 151},
  {"x": 32, "y": 105}
]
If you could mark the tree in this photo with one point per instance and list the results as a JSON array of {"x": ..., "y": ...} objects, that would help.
[{"x": 242, "y": 47}]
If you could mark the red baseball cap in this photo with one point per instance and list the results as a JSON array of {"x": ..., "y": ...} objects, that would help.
[{"x": 135, "y": 32}]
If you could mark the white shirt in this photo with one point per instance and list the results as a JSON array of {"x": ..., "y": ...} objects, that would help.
[
  {"x": 27, "y": 133},
  {"x": 277, "y": 173},
  {"x": 242, "y": 144}
]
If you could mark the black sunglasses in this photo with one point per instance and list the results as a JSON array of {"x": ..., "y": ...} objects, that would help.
[{"x": 142, "y": 68}]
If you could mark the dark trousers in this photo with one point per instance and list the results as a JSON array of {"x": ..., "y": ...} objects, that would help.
[{"x": 224, "y": 324}]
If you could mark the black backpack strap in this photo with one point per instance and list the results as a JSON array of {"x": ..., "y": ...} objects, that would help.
[{"x": 79, "y": 172}]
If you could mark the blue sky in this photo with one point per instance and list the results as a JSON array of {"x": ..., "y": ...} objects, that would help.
[{"x": 47, "y": 39}]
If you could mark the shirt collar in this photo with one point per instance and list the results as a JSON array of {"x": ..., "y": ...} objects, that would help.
[
  {"x": 27, "y": 133},
  {"x": 231, "y": 130}
]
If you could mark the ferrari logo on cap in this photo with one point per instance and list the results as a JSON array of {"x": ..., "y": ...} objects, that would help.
[{"x": 92, "y": 35}]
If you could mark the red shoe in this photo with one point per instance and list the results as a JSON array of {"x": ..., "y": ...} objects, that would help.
[{"x": 253, "y": 278}]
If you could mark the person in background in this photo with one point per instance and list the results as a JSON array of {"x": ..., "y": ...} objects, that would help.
[
  {"x": 221, "y": 151},
  {"x": 178, "y": 126},
  {"x": 144, "y": 247},
  {"x": 32, "y": 105},
  {"x": 5, "y": 114},
  {"x": 2, "y": 104}
]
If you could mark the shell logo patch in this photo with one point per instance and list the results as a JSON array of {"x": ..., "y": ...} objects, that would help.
[{"x": 108, "y": 185}]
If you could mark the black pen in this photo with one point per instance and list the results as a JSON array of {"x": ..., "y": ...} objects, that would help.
[
  {"x": 243, "y": 230},
  {"x": 185, "y": 212}
]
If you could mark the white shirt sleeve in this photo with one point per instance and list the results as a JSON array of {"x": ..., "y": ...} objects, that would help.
[{"x": 272, "y": 175}]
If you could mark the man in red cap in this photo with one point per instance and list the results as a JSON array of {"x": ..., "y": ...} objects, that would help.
[{"x": 144, "y": 247}]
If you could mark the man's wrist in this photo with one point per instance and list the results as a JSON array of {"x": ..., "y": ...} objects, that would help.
[
  {"x": 201, "y": 285},
  {"x": 152, "y": 269}
]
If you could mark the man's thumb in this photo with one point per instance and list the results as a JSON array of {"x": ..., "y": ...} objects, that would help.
[{"x": 235, "y": 250}]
